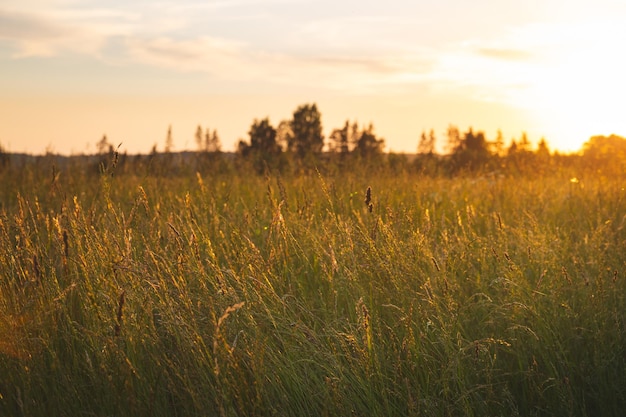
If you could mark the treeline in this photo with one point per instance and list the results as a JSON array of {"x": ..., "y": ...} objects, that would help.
[{"x": 297, "y": 146}]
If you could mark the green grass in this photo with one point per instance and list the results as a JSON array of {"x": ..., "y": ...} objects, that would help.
[{"x": 246, "y": 295}]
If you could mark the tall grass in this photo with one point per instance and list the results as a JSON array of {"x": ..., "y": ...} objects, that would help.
[{"x": 248, "y": 295}]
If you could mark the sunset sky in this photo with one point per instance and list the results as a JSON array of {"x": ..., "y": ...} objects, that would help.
[{"x": 74, "y": 70}]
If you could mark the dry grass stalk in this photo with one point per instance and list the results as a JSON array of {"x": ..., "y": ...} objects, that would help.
[
  {"x": 566, "y": 275},
  {"x": 120, "y": 313},
  {"x": 36, "y": 268},
  {"x": 499, "y": 221},
  {"x": 66, "y": 246},
  {"x": 228, "y": 311},
  {"x": 436, "y": 264}
]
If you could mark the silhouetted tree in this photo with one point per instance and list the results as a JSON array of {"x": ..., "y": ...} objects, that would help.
[
  {"x": 524, "y": 144},
  {"x": 368, "y": 145},
  {"x": 605, "y": 154},
  {"x": 426, "y": 145},
  {"x": 169, "y": 140},
  {"x": 263, "y": 137},
  {"x": 284, "y": 134},
  {"x": 263, "y": 149},
  {"x": 520, "y": 157},
  {"x": 209, "y": 147},
  {"x": 5, "y": 158},
  {"x": 340, "y": 140},
  {"x": 199, "y": 138},
  {"x": 540, "y": 161},
  {"x": 454, "y": 138},
  {"x": 306, "y": 131},
  {"x": 498, "y": 143},
  {"x": 103, "y": 146},
  {"x": 605, "y": 147},
  {"x": 512, "y": 149},
  {"x": 471, "y": 152},
  {"x": 426, "y": 162},
  {"x": 105, "y": 153},
  {"x": 542, "y": 148},
  {"x": 243, "y": 148},
  {"x": 212, "y": 143}
]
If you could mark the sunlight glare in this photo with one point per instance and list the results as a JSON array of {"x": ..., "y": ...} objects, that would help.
[{"x": 576, "y": 92}]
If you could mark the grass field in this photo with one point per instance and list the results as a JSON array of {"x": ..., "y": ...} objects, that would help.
[{"x": 251, "y": 295}]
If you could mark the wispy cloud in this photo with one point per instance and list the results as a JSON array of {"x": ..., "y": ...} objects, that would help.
[
  {"x": 203, "y": 54},
  {"x": 342, "y": 53},
  {"x": 27, "y": 27},
  {"x": 55, "y": 32},
  {"x": 32, "y": 34},
  {"x": 346, "y": 52},
  {"x": 505, "y": 54},
  {"x": 237, "y": 61}
]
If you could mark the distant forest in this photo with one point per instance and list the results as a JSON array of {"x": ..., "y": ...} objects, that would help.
[{"x": 298, "y": 146}]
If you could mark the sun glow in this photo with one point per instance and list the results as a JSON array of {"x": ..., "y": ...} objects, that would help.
[
  {"x": 568, "y": 76},
  {"x": 578, "y": 87}
]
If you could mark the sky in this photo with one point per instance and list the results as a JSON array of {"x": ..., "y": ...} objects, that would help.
[{"x": 72, "y": 71}]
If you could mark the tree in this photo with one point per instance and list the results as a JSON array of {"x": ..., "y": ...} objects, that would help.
[
  {"x": 198, "y": 137},
  {"x": 306, "y": 131},
  {"x": 426, "y": 145},
  {"x": 475, "y": 142},
  {"x": 340, "y": 139},
  {"x": 209, "y": 147},
  {"x": 542, "y": 148},
  {"x": 105, "y": 154},
  {"x": 367, "y": 144},
  {"x": 471, "y": 152},
  {"x": 5, "y": 158},
  {"x": 263, "y": 137},
  {"x": 454, "y": 138},
  {"x": 212, "y": 142},
  {"x": 541, "y": 158},
  {"x": 606, "y": 154},
  {"x": 354, "y": 135},
  {"x": 169, "y": 140},
  {"x": 498, "y": 144},
  {"x": 263, "y": 148},
  {"x": 520, "y": 156},
  {"x": 283, "y": 134},
  {"x": 103, "y": 146},
  {"x": 524, "y": 144},
  {"x": 605, "y": 147}
]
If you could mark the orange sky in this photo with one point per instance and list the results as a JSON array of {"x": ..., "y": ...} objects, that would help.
[{"x": 75, "y": 70}]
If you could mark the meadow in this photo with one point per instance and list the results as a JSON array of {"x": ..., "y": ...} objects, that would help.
[{"x": 245, "y": 295}]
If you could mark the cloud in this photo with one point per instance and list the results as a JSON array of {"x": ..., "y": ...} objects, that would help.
[
  {"x": 53, "y": 33},
  {"x": 125, "y": 37},
  {"x": 28, "y": 27},
  {"x": 32, "y": 34},
  {"x": 505, "y": 54},
  {"x": 203, "y": 54},
  {"x": 238, "y": 61},
  {"x": 376, "y": 33}
]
